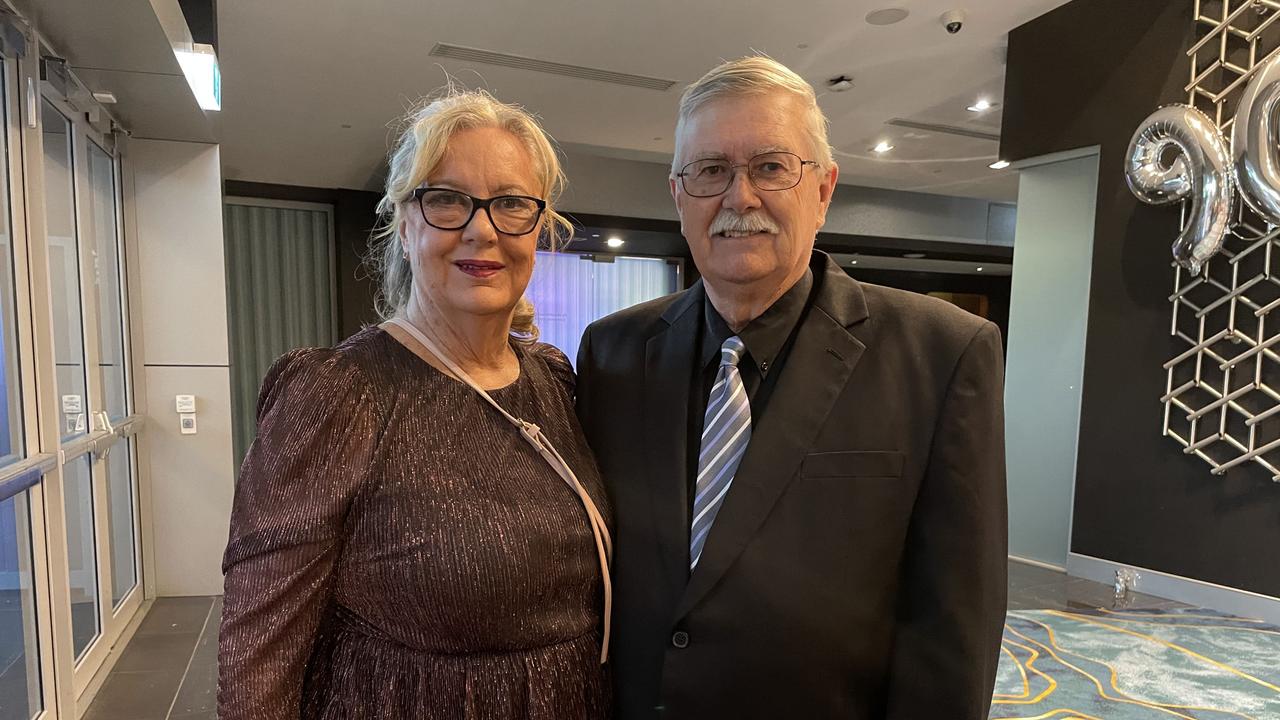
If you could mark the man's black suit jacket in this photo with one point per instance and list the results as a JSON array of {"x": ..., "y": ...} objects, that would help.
[{"x": 857, "y": 567}]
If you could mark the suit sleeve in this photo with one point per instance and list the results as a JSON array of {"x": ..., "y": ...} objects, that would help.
[
  {"x": 951, "y": 616},
  {"x": 316, "y": 433},
  {"x": 582, "y": 389}
]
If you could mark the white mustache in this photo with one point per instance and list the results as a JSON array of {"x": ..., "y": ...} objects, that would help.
[{"x": 755, "y": 221}]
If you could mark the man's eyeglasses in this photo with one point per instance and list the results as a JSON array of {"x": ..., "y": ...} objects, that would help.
[
  {"x": 446, "y": 209},
  {"x": 767, "y": 171}
]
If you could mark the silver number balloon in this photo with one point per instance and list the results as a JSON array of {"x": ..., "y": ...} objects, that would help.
[
  {"x": 1200, "y": 171},
  {"x": 1253, "y": 142}
]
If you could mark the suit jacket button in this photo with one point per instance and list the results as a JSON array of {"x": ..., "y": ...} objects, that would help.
[{"x": 680, "y": 639}]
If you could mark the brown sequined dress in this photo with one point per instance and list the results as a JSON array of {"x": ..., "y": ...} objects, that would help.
[{"x": 398, "y": 552}]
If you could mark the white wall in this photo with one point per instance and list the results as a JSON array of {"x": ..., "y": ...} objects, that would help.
[
  {"x": 178, "y": 290},
  {"x": 631, "y": 188},
  {"x": 1048, "y": 317}
]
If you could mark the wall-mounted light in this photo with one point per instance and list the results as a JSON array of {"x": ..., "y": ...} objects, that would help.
[{"x": 200, "y": 65}]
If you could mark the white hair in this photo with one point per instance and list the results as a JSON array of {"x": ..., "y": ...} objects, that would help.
[{"x": 756, "y": 75}]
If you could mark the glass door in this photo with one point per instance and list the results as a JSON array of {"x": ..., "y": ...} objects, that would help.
[
  {"x": 94, "y": 424},
  {"x": 107, "y": 279},
  {"x": 27, "y": 687},
  {"x": 71, "y": 384}
]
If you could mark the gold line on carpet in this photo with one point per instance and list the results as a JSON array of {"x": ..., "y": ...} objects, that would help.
[
  {"x": 1167, "y": 644},
  {"x": 1076, "y": 715},
  {"x": 1026, "y": 686},
  {"x": 1191, "y": 625},
  {"x": 1035, "y": 654},
  {"x": 1053, "y": 640},
  {"x": 1102, "y": 692}
]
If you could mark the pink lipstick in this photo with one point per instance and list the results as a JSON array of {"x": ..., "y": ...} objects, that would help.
[{"x": 479, "y": 268}]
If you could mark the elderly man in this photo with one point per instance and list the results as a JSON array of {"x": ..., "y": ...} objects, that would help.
[{"x": 808, "y": 472}]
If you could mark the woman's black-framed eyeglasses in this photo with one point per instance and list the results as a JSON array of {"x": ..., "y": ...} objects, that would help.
[
  {"x": 446, "y": 209},
  {"x": 767, "y": 171}
]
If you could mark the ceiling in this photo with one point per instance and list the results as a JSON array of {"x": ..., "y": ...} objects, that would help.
[
  {"x": 311, "y": 87},
  {"x": 126, "y": 47}
]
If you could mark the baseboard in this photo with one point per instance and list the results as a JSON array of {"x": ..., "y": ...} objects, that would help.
[
  {"x": 99, "y": 677},
  {"x": 1185, "y": 590},
  {"x": 1037, "y": 563}
]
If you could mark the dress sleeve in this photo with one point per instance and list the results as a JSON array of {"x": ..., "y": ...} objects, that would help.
[
  {"x": 558, "y": 363},
  {"x": 317, "y": 429}
]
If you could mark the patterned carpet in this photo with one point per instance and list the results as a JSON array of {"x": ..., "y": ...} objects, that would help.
[{"x": 1137, "y": 664}]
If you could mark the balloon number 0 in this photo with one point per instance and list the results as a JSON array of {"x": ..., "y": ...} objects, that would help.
[{"x": 1178, "y": 153}]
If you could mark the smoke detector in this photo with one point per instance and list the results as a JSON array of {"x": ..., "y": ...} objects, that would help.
[{"x": 840, "y": 83}]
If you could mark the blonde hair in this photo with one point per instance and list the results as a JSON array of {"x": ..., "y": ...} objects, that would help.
[
  {"x": 756, "y": 75},
  {"x": 426, "y": 132}
]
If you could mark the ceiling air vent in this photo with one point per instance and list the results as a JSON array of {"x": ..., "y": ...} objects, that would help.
[
  {"x": 458, "y": 52},
  {"x": 943, "y": 129}
]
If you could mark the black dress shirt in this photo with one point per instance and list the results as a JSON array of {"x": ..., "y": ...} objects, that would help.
[{"x": 767, "y": 338}]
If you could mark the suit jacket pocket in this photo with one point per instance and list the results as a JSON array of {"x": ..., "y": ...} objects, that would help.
[{"x": 853, "y": 463}]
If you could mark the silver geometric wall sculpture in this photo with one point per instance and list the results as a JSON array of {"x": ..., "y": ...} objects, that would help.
[{"x": 1222, "y": 398}]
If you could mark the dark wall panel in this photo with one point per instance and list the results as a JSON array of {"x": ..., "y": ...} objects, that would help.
[
  {"x": 202, "y": 20},
  {"x": 1083, "y": 75}
]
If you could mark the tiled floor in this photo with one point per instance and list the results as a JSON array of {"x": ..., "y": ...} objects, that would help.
[
  {"x": 1033, "y": 588},
  {"x": 170, "y": 668}
]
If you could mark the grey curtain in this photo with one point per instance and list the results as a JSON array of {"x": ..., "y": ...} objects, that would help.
[{"x": 280, "y": 296}]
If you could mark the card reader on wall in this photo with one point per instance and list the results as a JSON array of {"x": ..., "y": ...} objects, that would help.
[{"x": 186, "y": 407}]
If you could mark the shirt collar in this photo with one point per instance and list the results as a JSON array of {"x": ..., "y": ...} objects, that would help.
[{"x": 764, "y": 336}]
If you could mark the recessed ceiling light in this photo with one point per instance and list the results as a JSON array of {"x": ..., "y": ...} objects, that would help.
[
  {"x": 614, "y": 242},
  {"x": 887, "y": 16},
  {"x": 979, "y": 268},
  {"x": 595, "y": 234},
  {"x": 105, "y": 97},
  {"x": 982, "y": 105},
  {"x": 882, "y": 147},
  {"x": 853, "y": 262},
  {"x": 913, "y": 256},
  {"x": 999, "y": 165},
  {"x": 802, "y": 46}
]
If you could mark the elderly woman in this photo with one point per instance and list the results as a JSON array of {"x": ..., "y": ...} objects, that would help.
[{"x": 418, "y": 530}]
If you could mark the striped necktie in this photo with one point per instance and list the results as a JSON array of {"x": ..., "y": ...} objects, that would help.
[{"x": 725, "y": 434}]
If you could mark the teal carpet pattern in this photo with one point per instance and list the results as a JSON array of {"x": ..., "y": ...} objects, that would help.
[{"x": 1137, "y": 664}]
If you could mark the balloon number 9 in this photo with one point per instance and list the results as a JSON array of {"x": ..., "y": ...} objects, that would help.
[{"x": 1178, "y": 153}]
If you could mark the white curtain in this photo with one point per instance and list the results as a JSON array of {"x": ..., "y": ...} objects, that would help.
[{"x": 570, "y": 291}]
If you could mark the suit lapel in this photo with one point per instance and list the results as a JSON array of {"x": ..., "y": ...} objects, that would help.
[
  {"x": 669, "y": 359},
  {"x": 820, "y": 363}
]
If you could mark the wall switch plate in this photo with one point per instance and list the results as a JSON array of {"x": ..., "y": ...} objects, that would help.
[
  {"x": 187, "y": 423},
  {"x": 186, "y": 403}
]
